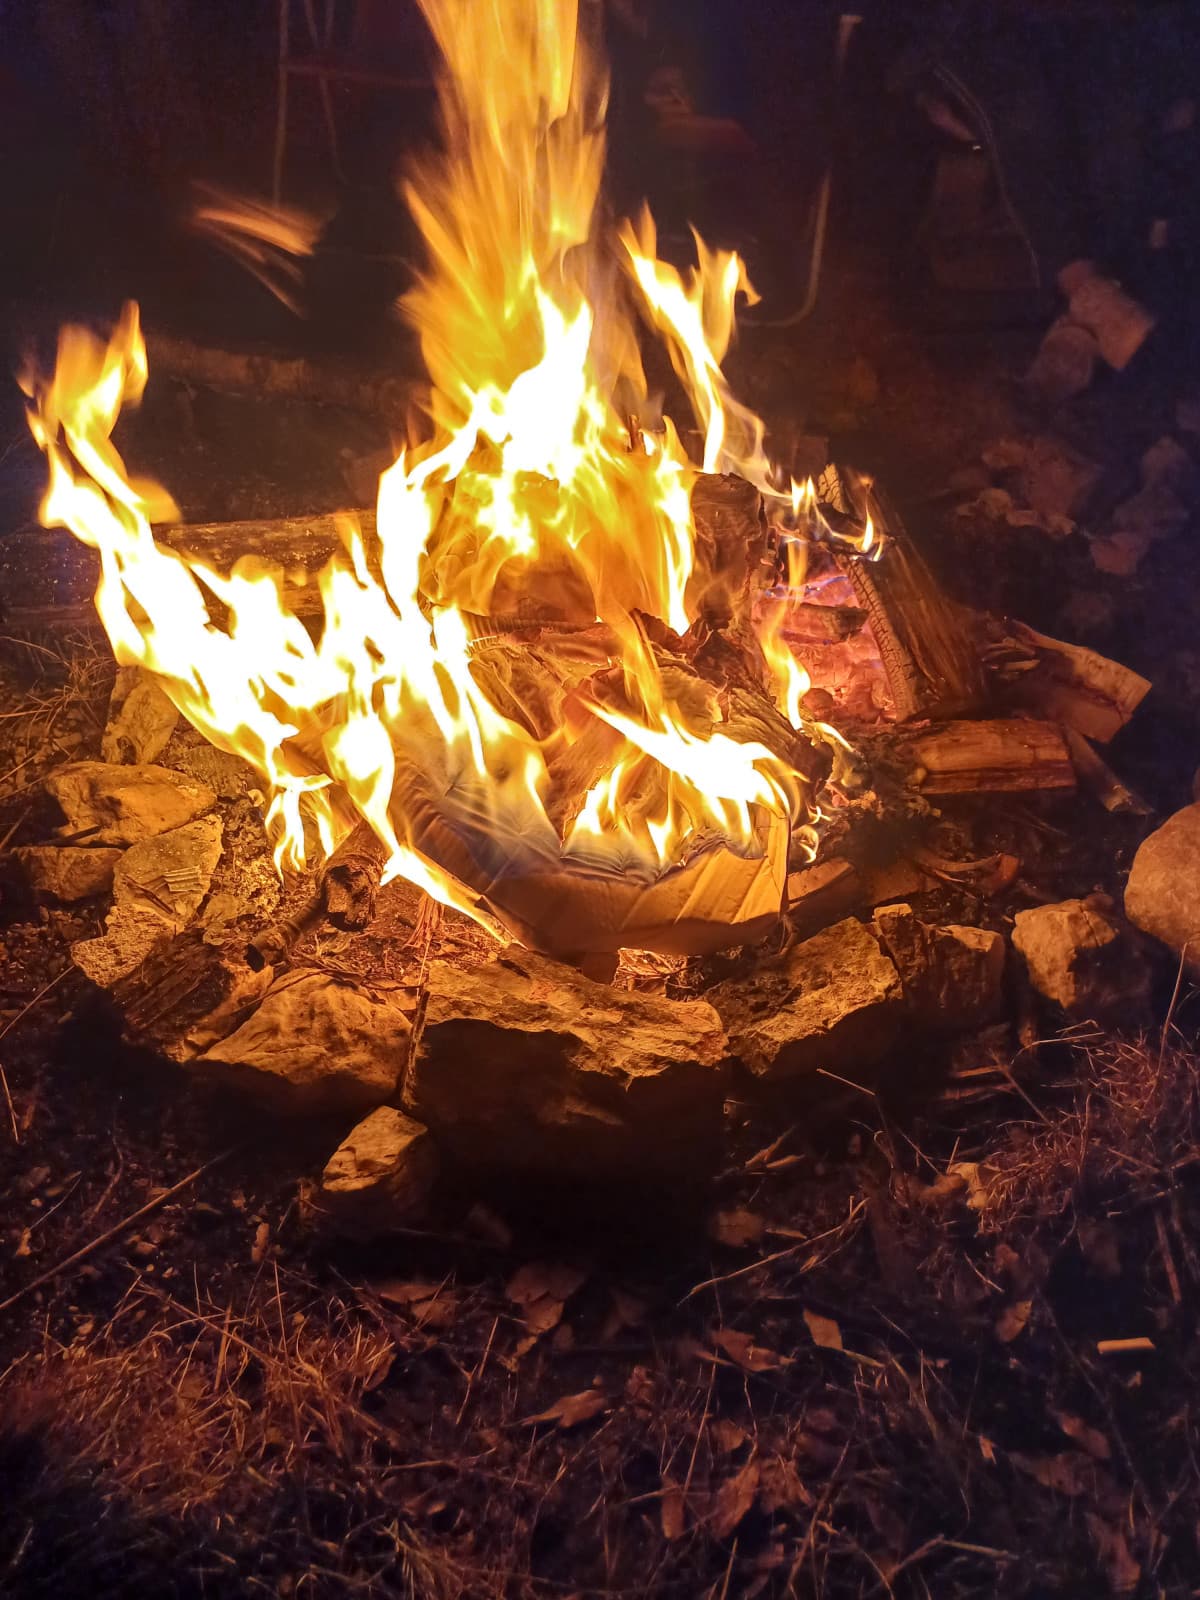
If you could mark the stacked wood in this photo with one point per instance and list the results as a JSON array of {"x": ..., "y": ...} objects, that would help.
[
  {"x": 998, "y": 757},
  {"x": 925, "y": 640}
]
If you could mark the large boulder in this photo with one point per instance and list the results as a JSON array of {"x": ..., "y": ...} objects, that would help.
[
  {"x": 381, "y": 1173},
  {"x": 1162, "y": 896},
  {"x": 315, "y": 1044},
  {"x": 527, "y": 1065},
  {"x": 123, "y": 805},
  {"x": 834, "y": 1000},
  {"x": 951, "y": 975},
  {"x": 1079, "y": 957}
]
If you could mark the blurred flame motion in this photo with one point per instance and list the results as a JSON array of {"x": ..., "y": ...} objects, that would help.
[{"x": 534, "y": 496}]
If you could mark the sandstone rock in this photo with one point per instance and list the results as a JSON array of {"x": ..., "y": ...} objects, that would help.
[
  {"x": 141, "y": 719},
  {"x": 527, "y": 1065},
  {"x": 835, "y": 1000},
  {"x": 125, "y": 804},
  {"x": 67, "y": 872},
  {"x": 158, "y": 887},
  {"x": 1079, "y": 957},
  {"x": 951, "y": 975},
  {"x": 315, "y": 1044},
  {"x": 1162, "y": 896},
  {"x": 380, "y": 1174}
]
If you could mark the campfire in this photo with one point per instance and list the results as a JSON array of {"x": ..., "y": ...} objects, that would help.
[
  {"x": 612, "y": 697},
  {"x": 558, "y": 683}
]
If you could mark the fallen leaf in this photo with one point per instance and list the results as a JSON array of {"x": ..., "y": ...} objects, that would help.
[
  {"x": 541, "y": 1289},
  {"x": 733, "y": 1500},
  {"x": 736, "y": 1228},
  {"x": 639, "y": 1389},
  {"x": 572, "y": 1409},
  {"x": 1124, "y": 1573},
  {"x": 405, "y": 1291},
  {"x": 727, "y": 1436},
  {"x": 740, "y": 1347},
  {"x": 1068, "y": 1473},
  {"x": 671, "y": 1509},
  {"x": 627, "y": 1311},
  {"x": 1087, "y": 1438},
  {"x": 781, "y": 1487},
  {"x": 824, "y": 1330},
  {"x": 987, "y": 1449},
  {"x": 1012, "y": 1320}
]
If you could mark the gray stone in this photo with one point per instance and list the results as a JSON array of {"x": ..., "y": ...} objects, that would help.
[
  {"x": 527, "y": 1065},
  {"x": 141, "y": 719},
  {"x": 951, "y": 975},
  {"x": 1080, "y": 957},
  {"x": 125, "y": 804},
  {"x": 158, "y": 887},
  {"x": 833, "y": 1001},
  {"x": 381, "y": 1173},
  {"x": 315, "y": 1044},
  {"x": 68, "y": 872},
  {"x": 1162, "y": 896}
]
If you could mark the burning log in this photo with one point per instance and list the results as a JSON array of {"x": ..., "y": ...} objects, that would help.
[
  {"x": 924, "y": 639},
  {"x": 345, "y": 899},
  {"x": 999, "y": 757}
]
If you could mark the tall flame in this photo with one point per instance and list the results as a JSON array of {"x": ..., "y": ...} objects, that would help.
[{"x": 534, "y": 500}]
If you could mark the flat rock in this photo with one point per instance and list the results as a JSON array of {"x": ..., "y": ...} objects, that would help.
[
  {"x": 1162, "y": 896},
  {"x": 951, "y": 975},
  {"x": 141, "y": 719},
  {"x": 158, "y": 887},
  {"x": 1080, "y": 957},
  {"x": 124, "y": 805},
  {"x": 68, "y": 872},
  {"x": 315, "y": 1044},
  {"x": 381, "y": 1173},
  {"x": 526, "y": 1065},
  {"x": 833, "y": 1001}
]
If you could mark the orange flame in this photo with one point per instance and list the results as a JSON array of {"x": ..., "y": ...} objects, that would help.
[{"x": 532, "y": 498}]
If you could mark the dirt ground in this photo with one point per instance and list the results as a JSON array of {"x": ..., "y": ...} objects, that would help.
[{"x": 866, "y": 1362}]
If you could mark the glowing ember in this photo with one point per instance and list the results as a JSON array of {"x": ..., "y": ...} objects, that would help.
[{"x": 534, "y": 502}]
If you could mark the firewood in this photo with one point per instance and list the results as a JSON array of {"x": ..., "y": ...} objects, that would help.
[
  {"x": 379, "y": 394},
  {"x": 1069, "y": 683},
  {"x": 924, "y": 638},
  {"x": 730, "y": 549},
  {"x": 997, "y": 757}
]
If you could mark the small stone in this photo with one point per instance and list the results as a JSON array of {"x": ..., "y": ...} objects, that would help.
[
  {"x": 1167, "y": 462},
  {"x": 381, "y": 1173},
  {"x": 158, "y": 887},
  {"x": 1155, "y": 512},
  {"x": 835, "y": 1000},
  {"x": 1079, "y": 957},
  {"x": 67, "y": 872},
  {"x": 951, "y": 975},
  {"x": 124, "y": 805},
  {"x": 141, "y": 719},
  {"x": 1162, "y": 896},
  {"x": 526, "y": 1065},
  {"x": 315, "y": 1044},
  {"x": 1119, "y": 554}
]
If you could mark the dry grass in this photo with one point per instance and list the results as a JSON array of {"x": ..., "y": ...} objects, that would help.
[
  {"x": 279, "y": 1437},
  {"x": 159, "y": 1447}
]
